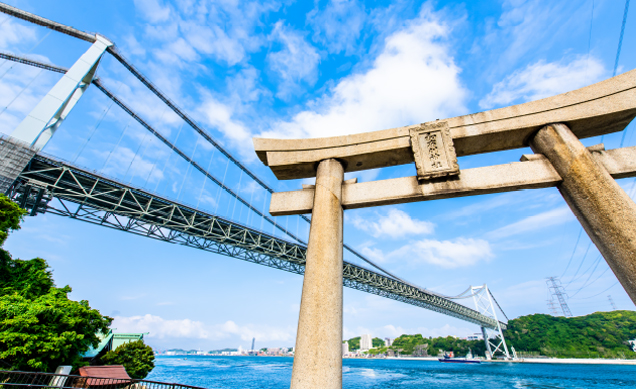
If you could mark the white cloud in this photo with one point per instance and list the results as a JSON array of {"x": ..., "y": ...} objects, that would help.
[
  {"x": 532, "y": 223},
  {"x": 339, "y": 25},
  {"x": 153, "y": 10},
  {"x": 12, "y": 33},
  {"x": 161, "y": 328},
  {"x": 413, "y": 79},
  {"x": 221, "y": 117},
  {"x": 395, "y": 224},
  {"x": 212, "y": 40},
  {"x": 296, "y": 62},
  {"x": 543, "y": 79},
  {"x": 449, "y": 254}
]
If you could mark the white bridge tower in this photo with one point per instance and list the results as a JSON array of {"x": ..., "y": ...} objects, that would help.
[{"x": 494, "y": 338}]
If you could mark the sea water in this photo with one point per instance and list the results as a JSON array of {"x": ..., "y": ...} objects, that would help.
[{"x": 275, "y": 372}]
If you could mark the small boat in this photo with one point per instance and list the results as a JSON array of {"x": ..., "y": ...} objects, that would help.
[{"x": 467, "y": 359}]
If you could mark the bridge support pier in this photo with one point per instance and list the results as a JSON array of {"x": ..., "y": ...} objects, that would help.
[
  {"x": 602, "y": 207},
  {"x": 318, "y": 352}
]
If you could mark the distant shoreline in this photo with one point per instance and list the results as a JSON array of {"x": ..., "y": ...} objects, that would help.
[{"x": 566, "y": 361}]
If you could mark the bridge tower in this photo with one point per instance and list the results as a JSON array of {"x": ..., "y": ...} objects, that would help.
[
  {"x": 485, "y": 304},
  {"x": 38, "y": 127}
]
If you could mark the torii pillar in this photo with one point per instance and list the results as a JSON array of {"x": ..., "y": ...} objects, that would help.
[{"x": 318, "y": 351}]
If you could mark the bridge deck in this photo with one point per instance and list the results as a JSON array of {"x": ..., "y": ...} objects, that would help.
[{"x": 86, "y": 196}]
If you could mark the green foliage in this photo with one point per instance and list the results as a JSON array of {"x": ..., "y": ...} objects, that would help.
[
  {"x": 29, "y": 279},
  {"x": 406, "y": 343},
  {"x": 10, "y": 217},
  {"x": 354, "y": 343},
  {"x": 40, "y": 328},
  {"x": 49, "y": 330},
  {"x": 416, "y": 344},
  {"x": 377, "y": 342},
  {"x": 378, "y": 350},
  {"x": 136, "y": 357},
  {"x": 601, "y": 334}
]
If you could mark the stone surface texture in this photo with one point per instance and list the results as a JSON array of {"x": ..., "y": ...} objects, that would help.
[
  {"x": 433, "y": 151},
  {"x": 605, "y": 211},
  {"x": 318, "y": 352},
  {"x": 534, "y": 172},
  {"x": 602, "y": 108}
]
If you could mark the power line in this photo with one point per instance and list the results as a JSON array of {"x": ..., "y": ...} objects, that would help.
[
  {"x": 573, "y": 251},
  {"x": 613, "y": 285},
  {"x": 620, "y": 40}
]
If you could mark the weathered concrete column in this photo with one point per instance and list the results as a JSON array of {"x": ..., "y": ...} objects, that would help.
[
  {"x": 318, "y": 352},
  {"x": 605, "y": 211}
]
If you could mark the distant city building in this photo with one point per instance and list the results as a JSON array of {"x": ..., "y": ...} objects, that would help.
[
  {"x": 475, "y": 337},
  {"x": 345, "y": 348},
  {"x": 365, "y": 342},
  {"x": 633, "y": 344},
  {"x": 388, "y": 342}
]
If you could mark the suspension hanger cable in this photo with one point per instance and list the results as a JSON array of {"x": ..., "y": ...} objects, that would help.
[
  {"x": 117, "y": 144},
  {"x": 185, "y": 178},
  {"x": 21, "y": 91},
  {"x": 204, "y": 178},
  {"x": 28, "y": 52}
]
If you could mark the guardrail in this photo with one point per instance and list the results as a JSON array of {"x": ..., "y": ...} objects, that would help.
[{"x": 24, "y": 379}]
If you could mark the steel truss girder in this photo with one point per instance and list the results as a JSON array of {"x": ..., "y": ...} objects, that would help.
[{"x": 85, "y": 196}]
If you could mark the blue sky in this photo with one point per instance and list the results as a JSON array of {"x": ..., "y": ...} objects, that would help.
[{"x": 309, "y": 69}]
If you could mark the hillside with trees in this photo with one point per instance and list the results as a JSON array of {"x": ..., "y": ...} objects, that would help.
[{"x": 598, "y": 335}]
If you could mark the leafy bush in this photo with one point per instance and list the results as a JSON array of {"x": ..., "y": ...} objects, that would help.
[
  {"x": 49, "y": 330},
  {"x": 40, "y": 328},
  {"x": 136, "y": 357}
]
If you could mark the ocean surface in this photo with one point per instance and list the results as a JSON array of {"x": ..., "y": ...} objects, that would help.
[{"x": 274, "y": 372}]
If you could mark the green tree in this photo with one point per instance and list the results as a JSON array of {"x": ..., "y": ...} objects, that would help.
[
  {"x": 354, "y": 343},
  {"x": 377, "y": 342},
  {"x": 137, "y": 358},
  {"x": 50, "y": 330},
  {"x": 10, "y": 217},
  {"x": 40, "y": 327}
]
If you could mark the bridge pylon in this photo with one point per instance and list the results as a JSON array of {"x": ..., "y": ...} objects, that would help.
[
  {"x": 494, "y": 338},
  {"x": 42, "y": 122}
]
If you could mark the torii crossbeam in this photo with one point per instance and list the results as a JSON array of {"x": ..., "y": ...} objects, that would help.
[{"x": 552, "y": 127}]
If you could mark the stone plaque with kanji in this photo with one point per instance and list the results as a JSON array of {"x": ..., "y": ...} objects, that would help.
[{"x": 433, "y": 151}]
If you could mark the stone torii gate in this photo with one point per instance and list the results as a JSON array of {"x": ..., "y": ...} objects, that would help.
[{"x": 552, "y": 127}]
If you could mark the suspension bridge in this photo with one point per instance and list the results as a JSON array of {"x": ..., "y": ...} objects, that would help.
[{"x": 43, "y": 183}]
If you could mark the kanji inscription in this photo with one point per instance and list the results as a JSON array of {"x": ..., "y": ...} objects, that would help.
[{"x": 433, "y": 151}]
